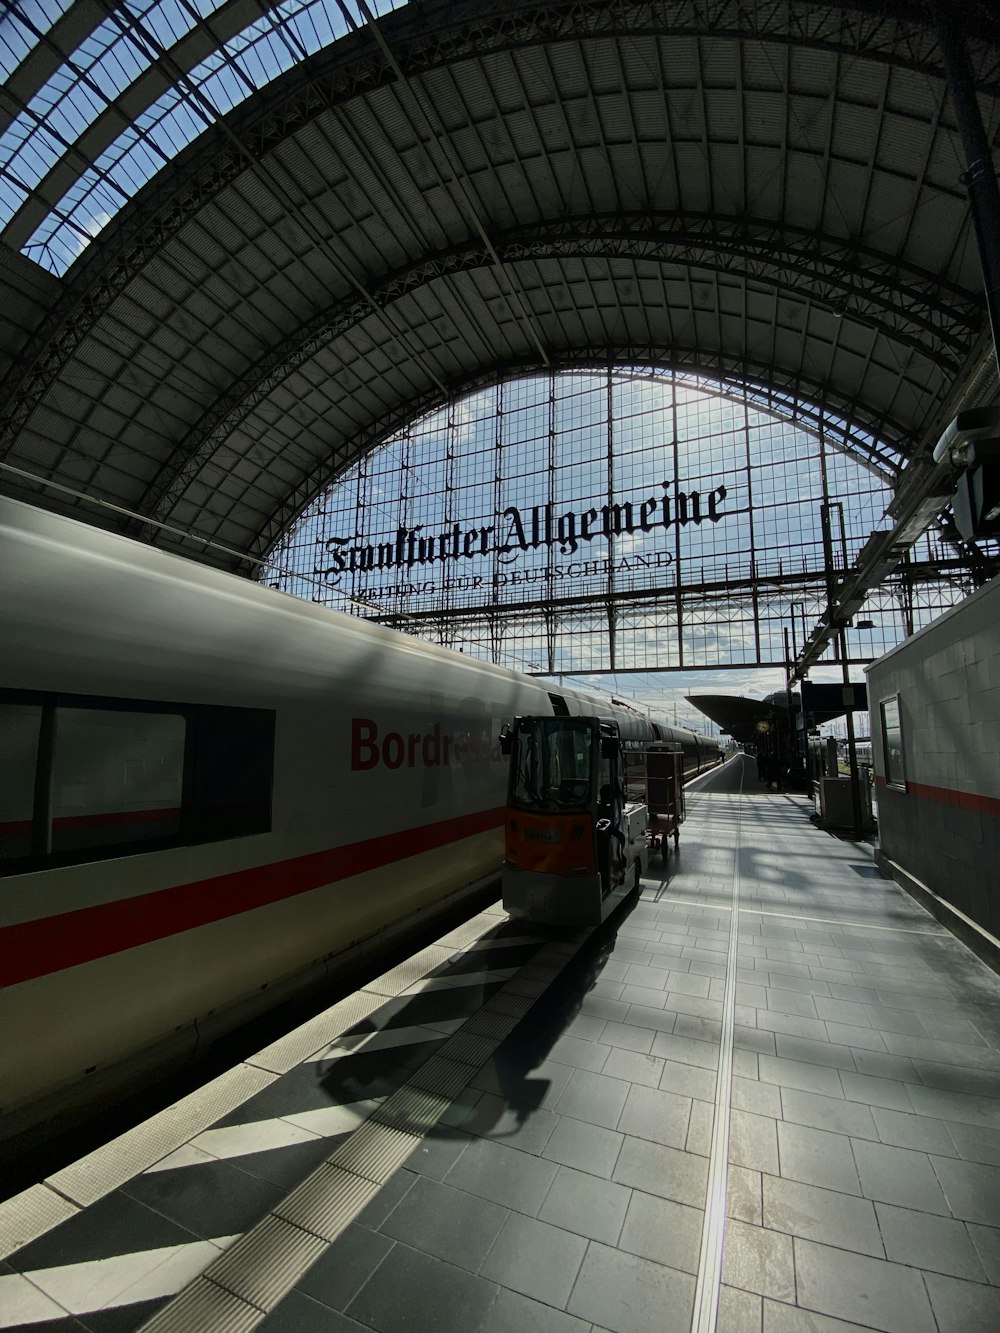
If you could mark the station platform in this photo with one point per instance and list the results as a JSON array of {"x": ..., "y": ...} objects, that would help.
[{"x": 762, "y": 1098}]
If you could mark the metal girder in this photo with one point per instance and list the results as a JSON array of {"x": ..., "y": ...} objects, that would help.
[
  {"x": 782, "y": 257},
  {"x": 924, "y": 490},
  {"x": 877, "y": 289},
  {"x": 869, "y": 27},
  {"x": 785, "y": 394},
  {"x": 639, "y": 610},
  {"x": 423, "y": 39},
  {"x": 935, "y": 318},
  {"x": 227, "y": 20},
  {"x": 902, "y": 38},
  {"x": 765, "y": 585}
]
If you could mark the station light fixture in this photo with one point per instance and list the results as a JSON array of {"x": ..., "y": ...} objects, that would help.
[{"x": 976, "y": 505}]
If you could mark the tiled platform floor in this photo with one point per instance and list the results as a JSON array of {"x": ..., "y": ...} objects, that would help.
[
  {"x": 113, "y": 1237},
  {"x": 565, "y": 1188}
]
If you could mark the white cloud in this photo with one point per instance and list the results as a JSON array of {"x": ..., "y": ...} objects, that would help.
[{"x": 92, "y": 227}]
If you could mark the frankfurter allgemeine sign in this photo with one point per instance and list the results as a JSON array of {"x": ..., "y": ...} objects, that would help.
[{"x": 517, "y": 531}]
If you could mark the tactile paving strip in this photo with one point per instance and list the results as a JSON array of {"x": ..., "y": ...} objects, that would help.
[
  {"x": 569, "y": 944},
  {"x": 290, "y": 1050},
  {"x": 262, "y": 1265},
  {"x": 446, "y": 1077},
  {"x": 111, "y": 1165},
  {"x": 506, "y": 1003},
  {"x": 491, "y": 1024},
  {"x": 527, "y": 986},
  {"x": 544, "y": 973},
  {"x": 29, "y": 1215},
  {"x": 201, "y": 1306},
  {"x": 260, "y": 1268},
  {"x": 375, "y": 1151},
  {"x": 414, "y": 1110},
  {"x": 552, "y": 958},
  {"x": 470, "y": 1048},
  {"x": 329, "y": 1200}
]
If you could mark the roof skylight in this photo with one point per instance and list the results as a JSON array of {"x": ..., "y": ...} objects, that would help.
[{"x": 48, "y": 131}]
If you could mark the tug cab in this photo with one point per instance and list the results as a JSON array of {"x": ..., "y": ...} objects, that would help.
[{"x": 575, "y": 846}]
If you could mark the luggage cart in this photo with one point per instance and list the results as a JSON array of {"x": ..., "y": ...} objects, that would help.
[{"x": 664, "y": 767}]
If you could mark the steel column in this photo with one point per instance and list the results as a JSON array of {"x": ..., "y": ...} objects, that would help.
[{"x": 979, "y": 177}]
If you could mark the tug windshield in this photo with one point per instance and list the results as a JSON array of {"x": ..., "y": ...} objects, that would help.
[{"x": 552, "y": 769}]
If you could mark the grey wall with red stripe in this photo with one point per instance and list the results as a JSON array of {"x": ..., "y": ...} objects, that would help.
[{"x": 943, "y": 826}]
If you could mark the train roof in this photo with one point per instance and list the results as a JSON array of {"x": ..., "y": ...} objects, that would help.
[{"x": 66, "y": 580}]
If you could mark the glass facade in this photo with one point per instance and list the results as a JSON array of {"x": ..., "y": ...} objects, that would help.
[
  {"x": 606, "y": 521},
  {"x": 109, "y": 63}
]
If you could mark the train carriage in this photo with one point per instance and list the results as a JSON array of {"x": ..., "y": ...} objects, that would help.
[{"x": 215, "y": 794}]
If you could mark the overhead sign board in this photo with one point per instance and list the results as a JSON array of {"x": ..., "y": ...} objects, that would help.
[
  {"x": 515, "y": 532},
  {"x": 834, "y": 700}
]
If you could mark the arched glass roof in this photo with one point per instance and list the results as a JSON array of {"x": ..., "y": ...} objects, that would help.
[
  {"x": 624, "y": 520},
  {"x": 101, "y": 84},
  {"x": 23, "y": 28},
  {"x": 243, "y": 243}
]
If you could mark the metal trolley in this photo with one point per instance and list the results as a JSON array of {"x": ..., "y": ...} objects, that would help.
[{"x": 662, "y": 777}]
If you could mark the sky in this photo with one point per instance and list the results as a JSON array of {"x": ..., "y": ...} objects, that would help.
[
  {"x": 540, "y": 439},
  {"x": 110, "y": 60}
]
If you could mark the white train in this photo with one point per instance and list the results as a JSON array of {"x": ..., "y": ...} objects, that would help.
[{"x": 215, "y": 794}]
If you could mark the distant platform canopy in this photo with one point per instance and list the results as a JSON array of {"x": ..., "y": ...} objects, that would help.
[{"x": 746, "y": 719}]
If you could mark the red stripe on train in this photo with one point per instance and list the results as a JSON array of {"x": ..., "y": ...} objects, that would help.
[
  {"x": 63, "y": 823},
  {"x": 51, "y": 944},
  {"x": 116, "y": 817}
]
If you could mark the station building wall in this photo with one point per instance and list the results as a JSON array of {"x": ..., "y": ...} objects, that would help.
[{"x": 935, "y": 713}]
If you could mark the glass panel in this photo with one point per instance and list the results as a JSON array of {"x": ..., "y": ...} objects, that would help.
[
  {"x": 231, "y": 773},
  {"x": 892, "y": 743},
  {"x": 111, "y": 60},
  {"x": 552, "y": 772},
  {"x": 117, "y": 778},
  {"x": 19, "y": 730},
  {"x": 21, "y": 32},
  {"x": 508, "y": 523}
]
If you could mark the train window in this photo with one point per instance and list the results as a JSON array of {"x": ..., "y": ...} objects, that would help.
[
  {"x": 86, "y": 778},
  {"x": 20, "y": 725},
  {"x": 117, "y": 777},
  {"x": 892, "y": 742},
  {"x": 230, "y": 774}
]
